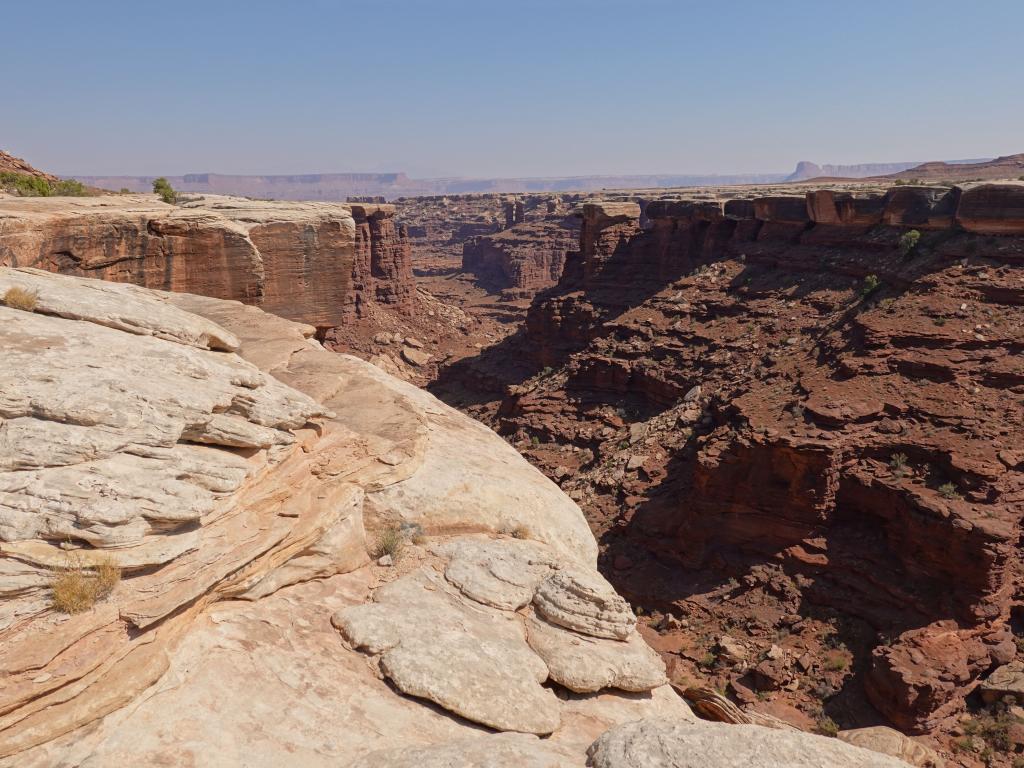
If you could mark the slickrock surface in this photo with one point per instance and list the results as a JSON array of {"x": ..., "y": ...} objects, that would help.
[
  {"x": 319, "y": 263},
  {"x": 795, "y": 421},
  {"x": 238, "y": 474},
  {"x": 698, "y": 745}
]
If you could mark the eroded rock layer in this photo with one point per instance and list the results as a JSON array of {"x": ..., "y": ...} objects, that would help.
[
  {"x": 318, "y": 263},
  {"x": 815, "y": 397}
]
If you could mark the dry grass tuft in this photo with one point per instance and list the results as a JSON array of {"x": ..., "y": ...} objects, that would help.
[
  {"x": 77, "y": 587},
  {"x": 390, "y": 541},
  {"x": 19, "y": 298},
  {"x": 520, "y": 532}
]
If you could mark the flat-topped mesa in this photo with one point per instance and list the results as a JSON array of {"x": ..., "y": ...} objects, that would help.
[{"x": 294, "y": 259}]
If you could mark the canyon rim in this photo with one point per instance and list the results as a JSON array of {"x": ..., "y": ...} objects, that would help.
[{"x": 557, "y": 386}]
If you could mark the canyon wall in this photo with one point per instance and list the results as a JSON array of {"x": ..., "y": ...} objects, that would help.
[
  {"x": 319, "y": 263},
  {"x": 817, "y": 395}
]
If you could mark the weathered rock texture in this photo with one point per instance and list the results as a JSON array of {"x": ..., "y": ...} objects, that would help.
[
  {"x": 786, "y": 393},
  {"x": 319, "y": 263},
  {"x": 231, "y": 468},
  {"x": 696, "y": 745}
]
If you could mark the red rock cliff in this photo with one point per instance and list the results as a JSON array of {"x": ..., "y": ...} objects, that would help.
[
  {"x": 318, "y": 263},
  {"x": 790, "y": 383}
]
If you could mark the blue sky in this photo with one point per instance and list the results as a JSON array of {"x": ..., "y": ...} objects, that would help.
[{"x": 523, "y": 88}]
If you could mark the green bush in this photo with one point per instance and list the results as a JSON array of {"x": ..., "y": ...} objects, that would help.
[
  {"x": 871, "y": 284},
  {"x": 898, "y": 464},
  {"x": 949, "y": 491},
  {"x": 909, "y": 241},
  {"x": 163, "y": 188},
  {"x": 25, "y": 185},
  {"x": 36, "y": 186}
]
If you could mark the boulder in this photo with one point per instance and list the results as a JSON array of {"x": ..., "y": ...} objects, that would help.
[
  {"x": 701, "y": 745},
  {"x": 433, "y": 645},
  {"x": 584, "y": 664},
  {"x": 502, "y": 574},
  {"x": 584, "y": 602},
  {"x": 888, "y": 741},
  {"x": 1007, "y": 680}
]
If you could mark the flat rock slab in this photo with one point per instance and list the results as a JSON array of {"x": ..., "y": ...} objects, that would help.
[
  {"x": 583, "y": 601},
  {"x": 502, "y": 750},
  {"x": 469, "y": 659},
  {"x": 502, "y": 574},
  {"x": 584, "y": 664},
  {"x": 654, "y": 743}
]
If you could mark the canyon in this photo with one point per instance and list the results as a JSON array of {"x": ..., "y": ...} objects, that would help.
[{"x": 790, "y": 416}]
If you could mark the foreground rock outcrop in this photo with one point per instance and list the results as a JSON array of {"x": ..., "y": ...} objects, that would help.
[
  {"x": 318, "y": 263},
  {"x": 237, "y": 476}
]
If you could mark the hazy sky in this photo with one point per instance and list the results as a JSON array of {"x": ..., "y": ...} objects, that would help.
[{"x": 507, "y": 88}]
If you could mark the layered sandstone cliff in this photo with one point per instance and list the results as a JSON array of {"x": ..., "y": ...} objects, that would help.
[
  {"x": 524, "y": 259},
  {"x": 318, "y": 263},
  {"x": 809, "y": 409}
]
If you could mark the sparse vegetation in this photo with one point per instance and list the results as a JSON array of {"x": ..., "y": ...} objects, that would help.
[
  {"x": 708, "y": 661},
  {"x": 77, "y": 587},
  {"x": 835, "y": 663},
  {"x": 390, "y": 541},
  {"x": 69, "y": 188},
  {"x": 520, "y": 532},
  {"x": 988, "y": 733},
  {"x": 908, "y": 242},
  {"x": 826, "y": 726},
  {"x": 898, "y": 464},
  {"x": 36, "y": 186},
  {"x": 163, "y": 188},
  {"x": 949, "y": 491},
  {"x": 17, "y": 297},
  {"x": 870, "y": 285}
]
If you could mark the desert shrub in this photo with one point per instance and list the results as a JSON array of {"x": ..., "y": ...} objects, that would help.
[
  {"x": 520, "y": 532},
  {"x": 390, "y": 541},
  {"x": 898, "y": 464},
  {"x": 163, "y": 188},
  {"x": 826, "y": 726},
  {"x": 21, "y": 298},
  {"x": 949, "y": 491},
  {"x": 69, "y": 188},
  {"x": 35, "y": 186},
  {"x": 25, "y": 185},
  {"x": 835, "y": 663},
  {"x": 77, "y": 587},
  {"x": 909, "y": 241},
  {"x": 870, "y": 285}
]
